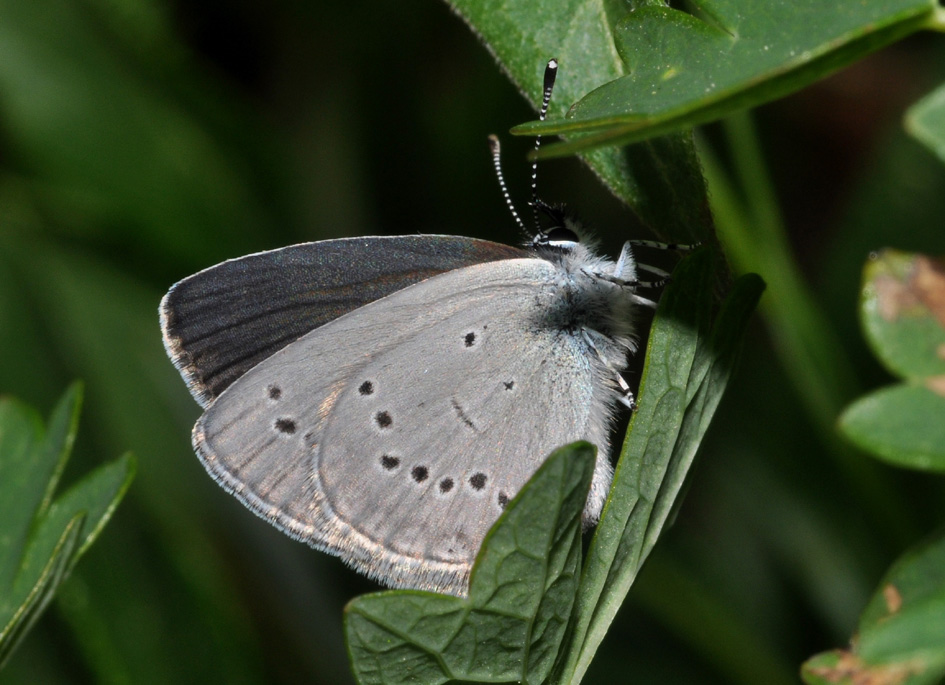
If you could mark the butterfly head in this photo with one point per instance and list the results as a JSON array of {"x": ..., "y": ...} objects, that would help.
[{"x": 563, "y": 235}]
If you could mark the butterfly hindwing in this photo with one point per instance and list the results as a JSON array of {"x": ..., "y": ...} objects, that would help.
[{"x": 394, "y": 435}]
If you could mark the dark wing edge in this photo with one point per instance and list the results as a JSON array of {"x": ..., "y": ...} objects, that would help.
[{"x": 222, "y": 321}]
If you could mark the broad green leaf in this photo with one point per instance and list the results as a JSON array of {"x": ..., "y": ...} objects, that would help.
[
  {"x": 521, "y": 593},
  {"x": 683, "y": 69},
  {"x": 899, "y": 638},
  {"x": 925, "y": 120},
  {"x": 903, "y": 312},
  {"x": 660, "y": 179},
  {"x": 903, "y": 316},
  {"x": 42, "y": 538},
  {"x": 901, "y": 424},
  {"x": 689, "y": 360}
]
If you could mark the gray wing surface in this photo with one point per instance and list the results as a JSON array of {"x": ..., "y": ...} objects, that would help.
[
  {"x": 394, "y": 435},
  {"x": 222, "y": 321}
]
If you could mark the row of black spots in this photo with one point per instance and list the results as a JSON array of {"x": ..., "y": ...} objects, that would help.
[
  {"x": 420, "y": 473},
  {"x": 283, "y": 424},
  {"x": 382, "y": 419}
]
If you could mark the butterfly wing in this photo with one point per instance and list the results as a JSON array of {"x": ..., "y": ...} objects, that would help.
[
  {"x": 222, "y": 321},
  {"x": 394, "y": 435}
]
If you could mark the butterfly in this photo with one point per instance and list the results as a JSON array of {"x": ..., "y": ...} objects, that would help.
[{"x": 384, "y": 398}]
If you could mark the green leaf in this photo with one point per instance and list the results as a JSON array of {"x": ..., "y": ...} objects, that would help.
[
  {"x": 925, "y": 120},
  {"x": 903, "y": 312},
  {"x": 901, "y": 424},
  {"x": 899, "y": 638},
  {"x": 685, "y": 69},
  {"x": 903, "y": 316},
  {"x": 521, "y": 593},
  {"x": 689, "y": 361},
  {"x": 42, "y": 538},
  {"x": 660, "y": 179}
]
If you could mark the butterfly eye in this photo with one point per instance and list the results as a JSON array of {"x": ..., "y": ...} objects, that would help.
[{"x": 559, "y": 237}]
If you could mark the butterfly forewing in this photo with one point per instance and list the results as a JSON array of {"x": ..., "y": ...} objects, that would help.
[
  {"x": 222, "y": 321},
  {"x": 384, "y": 438}
]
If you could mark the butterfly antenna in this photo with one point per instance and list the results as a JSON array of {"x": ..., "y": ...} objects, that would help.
[
  {"x": 551, "y": 71},
  {"x": 497, "y": 162}
]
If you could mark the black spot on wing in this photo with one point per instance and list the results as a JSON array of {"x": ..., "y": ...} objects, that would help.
[{"x": 285, "y": 425}]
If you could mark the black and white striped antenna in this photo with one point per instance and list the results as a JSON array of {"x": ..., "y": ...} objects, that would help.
[
  {"x": 551, "y": 71},
  {"x": 497, "y": 162}
]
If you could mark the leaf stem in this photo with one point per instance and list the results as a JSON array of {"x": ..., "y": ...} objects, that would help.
[
  {"x": 755, "y": 239},
  {"x": 752, "y": 230},
  {"x": 937, "y": 20}
]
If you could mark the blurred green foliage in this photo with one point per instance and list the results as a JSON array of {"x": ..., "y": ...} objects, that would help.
[
  {"x": 903, "y": 312},
  {"x": 44, "y": 531},
  {"x": 142, "y": 141}
]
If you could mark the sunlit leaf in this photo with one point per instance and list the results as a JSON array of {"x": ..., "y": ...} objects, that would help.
[
  {"x": 689, "y": 360},
  {"x": 683, "y": 69}
]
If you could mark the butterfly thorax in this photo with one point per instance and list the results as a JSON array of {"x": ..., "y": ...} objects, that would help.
[{"x": 586, "y": 293}]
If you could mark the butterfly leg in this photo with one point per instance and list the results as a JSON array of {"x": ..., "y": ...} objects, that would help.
[
  {"x": 632, "y": 284},
  {"x": 663, "y": 275},
  {"x": 627, "y": 397},
  {"x": 657, "y": 245},
  {"x": 626, "y": 257}
]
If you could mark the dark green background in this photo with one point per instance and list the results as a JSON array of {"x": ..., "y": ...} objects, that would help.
[{"x": 140, "y": 142}]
